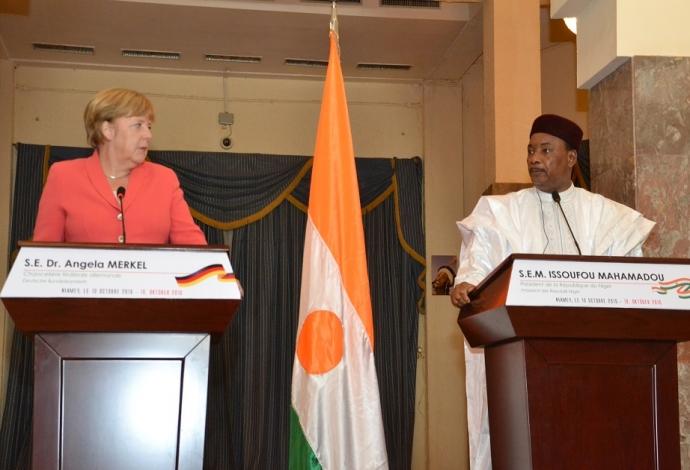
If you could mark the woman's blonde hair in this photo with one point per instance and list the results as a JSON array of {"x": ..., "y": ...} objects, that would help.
[{"x": 111, "y": 104}]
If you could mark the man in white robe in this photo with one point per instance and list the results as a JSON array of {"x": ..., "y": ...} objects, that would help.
[{"x": 530, "y": 221}]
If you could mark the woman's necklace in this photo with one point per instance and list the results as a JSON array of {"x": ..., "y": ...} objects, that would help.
[{"x": 113, "y": 177}]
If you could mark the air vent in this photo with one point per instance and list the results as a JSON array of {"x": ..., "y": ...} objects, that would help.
[
  {"x": 307, "y": 62},
  {"x": 248, "y": 59},
  {"x": 151, "y": 54},
  {"x": 375, "y": 66},
  {"x": 412, "y": 3},
  {"x": 84, "y": 50}
]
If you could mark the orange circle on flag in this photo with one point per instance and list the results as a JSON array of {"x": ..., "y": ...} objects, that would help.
[{"x": 320, "y": 342}]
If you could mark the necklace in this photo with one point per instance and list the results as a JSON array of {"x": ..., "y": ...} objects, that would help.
[{"x": 113, "y": 177}]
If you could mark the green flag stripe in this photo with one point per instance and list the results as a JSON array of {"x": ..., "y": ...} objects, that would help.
[{"x": 301, "y": 455}]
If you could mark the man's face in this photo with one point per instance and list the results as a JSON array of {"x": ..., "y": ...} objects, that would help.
[
  {"x": 441, "y": 283},
  {"x": 549, "y": 162}
]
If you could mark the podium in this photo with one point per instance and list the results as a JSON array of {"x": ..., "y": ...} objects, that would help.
[
  {"x": 580, "y": 357},
  {"x": 121, "y": 349}
]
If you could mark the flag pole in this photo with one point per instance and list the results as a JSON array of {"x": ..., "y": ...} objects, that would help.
[
  {"x": 334, "y": 19},
  {"x": 334, "y": 25}
]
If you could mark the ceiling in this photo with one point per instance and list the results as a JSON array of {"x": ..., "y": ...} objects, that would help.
[{"x": 437, "y": 43}]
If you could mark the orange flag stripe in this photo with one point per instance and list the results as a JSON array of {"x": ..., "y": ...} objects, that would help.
[{"x": 334, "y": 205}]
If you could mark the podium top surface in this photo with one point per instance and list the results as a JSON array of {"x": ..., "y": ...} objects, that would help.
[
  {"x": 595, "y": 297},
  {"x": 123, "y": 246},
  {"x": 102, "y": 287}
]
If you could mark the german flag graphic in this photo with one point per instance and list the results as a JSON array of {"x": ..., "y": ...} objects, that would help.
[{"x": 212, "y": 270}]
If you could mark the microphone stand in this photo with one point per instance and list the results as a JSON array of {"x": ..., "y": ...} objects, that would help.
[
  {"x": 120, "y": 196},
  {"x": 557, "y": 199}
]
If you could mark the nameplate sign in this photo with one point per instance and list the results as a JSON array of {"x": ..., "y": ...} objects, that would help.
[
  {"x": 599, "y": 284},
  {"x": 68, "y": 272}
]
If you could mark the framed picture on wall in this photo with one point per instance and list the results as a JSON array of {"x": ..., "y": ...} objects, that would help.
[{"x": 443, "y": 268}]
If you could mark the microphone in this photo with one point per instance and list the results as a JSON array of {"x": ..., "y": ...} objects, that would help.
[
  {"x": 120, "y": 196},
  {"x": 557, "y": 199}
]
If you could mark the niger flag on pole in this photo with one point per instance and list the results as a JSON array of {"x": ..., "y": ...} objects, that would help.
[{"x": 336, "y": 411}]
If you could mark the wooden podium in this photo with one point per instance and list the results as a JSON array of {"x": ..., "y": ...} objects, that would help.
[
  {"x": 120, "y": 381},
  {"x": 592, "y": 386}
]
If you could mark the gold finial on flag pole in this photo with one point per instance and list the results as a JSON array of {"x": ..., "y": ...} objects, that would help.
[{"x": 334, "y": 20}]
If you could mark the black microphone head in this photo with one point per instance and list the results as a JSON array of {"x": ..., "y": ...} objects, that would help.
[
  {"x": 556, "y": 197},
  {"x": 120, "y": 192}
]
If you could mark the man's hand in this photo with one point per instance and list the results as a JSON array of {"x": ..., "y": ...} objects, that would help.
[{"x": 460, "y": 295}]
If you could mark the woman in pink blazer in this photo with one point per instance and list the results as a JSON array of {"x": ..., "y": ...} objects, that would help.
[{"x": 80, "y": 200}]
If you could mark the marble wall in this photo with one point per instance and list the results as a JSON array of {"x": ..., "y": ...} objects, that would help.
[
  {"x": 611, "y": 141},
  {"x": 662, "y": 149},
  {"x": 640, "y": 156}
]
